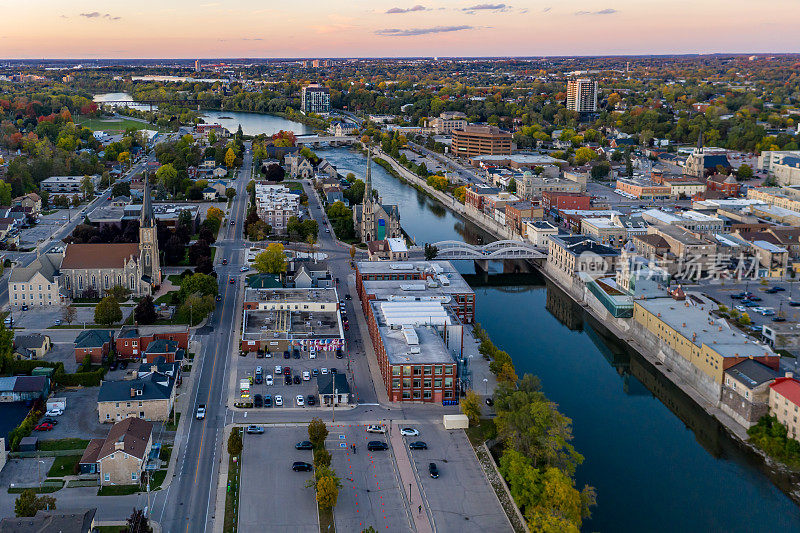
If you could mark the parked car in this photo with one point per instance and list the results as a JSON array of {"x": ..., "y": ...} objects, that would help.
[
  {"x": 779, "y": 319},
  {"x": 297, "y": 380},
  {"x": 267, "y": 400},
  {"x": 259, "y": 379},
  {"x": 287, "y": 371},
  {"x": 376, "y": 445},
  {"x": 304, "y": 445},
  {"x": 286, "y": 354},
  {"x": 312, "y": 353},
  {"x": 278, "y": 400},
  {"x": 268, "y": 380},
  {"x": 751, "y": 303},
  {"x": 49, "y": 420},
  {"x": 376, "y": 428},
  {"x": 778, "y": 289},
  {"x": 55, "y": 411},
  {"x": 409, "y": 432},
  {"x": 299, "y": 400},
  {"x": 254, "y": 430},
  {"x": 258, "y": 401},
  {"x": 300, "y": 466},
  {"x": 310, "y": 400},
  {"x": 741, "y": 308},
  {"x": 44, "y": 426},
  {"x": 324, "y": 370},
  {"x": 278, "y": 370},
  {"x": 306, "y": 376},
  {"x": 200, "y": 414},
  {"x": 433, "y": 470},
  {"x": 315, "y": 372},
  {"x": 287, "y": 380},
  {"x": 334, "y": 370},
  {"x": 417, "y": 445}
]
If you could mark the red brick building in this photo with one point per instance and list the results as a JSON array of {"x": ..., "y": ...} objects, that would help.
[
  {"x": 132, "y": 342},
  {"x": 96, "y": 343},
  {"x": 725, "y": 184},
  {"x": 555, "y": 201}
]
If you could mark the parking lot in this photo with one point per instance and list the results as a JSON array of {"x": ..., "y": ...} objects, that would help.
[
  {"x": 272, "y": 497},
  {"x": 80, "y": 417},
  {"x": 460, "y": 499},
  {"x": 370, "y": 494},
  {"x": 41, "y": 317},
  {"x": 325, "y": 359},
  {"x": 45, "y": 227},
  {"x": 777, "y": 303}
]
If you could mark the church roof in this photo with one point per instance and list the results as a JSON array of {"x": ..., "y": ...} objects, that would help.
[{"x": 98, "y": 255}]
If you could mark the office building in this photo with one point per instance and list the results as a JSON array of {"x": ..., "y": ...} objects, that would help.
[
  {"x": 448, "y": 121},
  {"x": 582, "y": 95},
  {"x": 315, "y": 99},
  {"x": 474, "y": 140}
]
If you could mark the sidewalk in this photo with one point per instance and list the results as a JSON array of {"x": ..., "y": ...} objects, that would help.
[
  {"x": 369, "y": 352},
  {"x": 422, "y": 522}
]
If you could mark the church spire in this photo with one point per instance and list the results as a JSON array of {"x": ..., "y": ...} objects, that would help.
[
  {"x": 368, "y": 182},
  {"x": 147, "y": 217},
  {"x": 700, "y": 142}
]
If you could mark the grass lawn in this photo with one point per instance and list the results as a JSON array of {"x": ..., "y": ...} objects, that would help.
[
  {"x": 37, "y": 490},
  {"x": 118, "y": 490},
  {"x": 173, "y": 427},
  {"x": 64, "y": 465},
  {"x": 115, "y": 125},
  {"x": 232, "y": 497},
  {"x": 110, "y": 529},
  {"x": 293, "y": 185},
  {"x": 63, "y": 444},
  {"x": 482, "y": 432},
  {"x": 158, "y": 479},
  {"x": 175, "y": 279}
]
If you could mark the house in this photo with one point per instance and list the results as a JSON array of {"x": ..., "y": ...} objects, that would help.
[
  {"x": 36, "y": 284},
  {"x": 123, "y": 456},
  {"x": 393, "y": 249},
  {"x": 784, "y": 403},
  {"x": 132, "y": 341},
  {"x": 32, "y": 346},
  {"x": 333, "y": 387},
  {"x": 30, "y": 201},
  {"x": 219, "y": 172},
  {"x": 150, "y": 395},
  {"x": 209, "y": 194},
  {"x": 745, "y": 391},
  {"x": 24, "y": 388},
  {"x": 167, "y": 349},
  {"x": 94, "y": 343},
  {"x": 219, "y": 186},
  {"x": 56, "y": 521},
  {"x": 88, "y": 461}
]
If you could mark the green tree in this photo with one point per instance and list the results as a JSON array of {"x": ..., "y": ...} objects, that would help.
[
  {"x": 201, "y": 284},
  {"x": 87, "y": 186},
  {"x": 5, "y": 193},
  {"x": 430, "y": 252},
  {"x": 119, "y": 293},
  {"x": 107, "y": 311},
  {"x": 322, "y": 457},
  {"x": 317, "y": 432},
  {"x": 167, "y": 177},
  {"x": 584, "y": 154},
  {"x": 272, "y": 260},
  {"x": 744, "y": 172},
  {"x": 471, "y": 406},
  {"x": 28, "y": 504},
  {"x": 235, "y": 442},
  {"x": 512, "y": 185}
]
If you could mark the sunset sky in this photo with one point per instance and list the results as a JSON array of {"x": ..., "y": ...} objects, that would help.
[{"x": 368, "y": 28}]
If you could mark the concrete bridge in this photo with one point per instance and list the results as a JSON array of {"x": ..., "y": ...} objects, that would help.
[
  {"x": 316, "y": 140},
  {"x": 496, "y": 250}
]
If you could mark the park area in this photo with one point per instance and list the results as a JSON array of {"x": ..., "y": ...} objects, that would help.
[{"x": 115, "y": 125}]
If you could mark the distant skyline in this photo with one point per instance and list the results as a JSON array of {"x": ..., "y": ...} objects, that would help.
[{"x": 360, "y": 28}]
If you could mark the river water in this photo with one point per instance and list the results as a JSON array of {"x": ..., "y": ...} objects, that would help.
[{"x": 659, "y": 462}]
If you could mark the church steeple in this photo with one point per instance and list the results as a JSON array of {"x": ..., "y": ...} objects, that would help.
[
  {"x": 146, "y": 218},
  {"x": 149, "y": 264},
  {"x": 368, "y": 182},
  {"x": 700, "y": 142}
]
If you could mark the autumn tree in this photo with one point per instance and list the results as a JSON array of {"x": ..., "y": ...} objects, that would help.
[
  {"x": 471, "y": 406},
  {"x": 272, "y": 260},
  {"x": 69, "y": 314},
  {"x": 317, "y": 432},
  {"x": 235, "y": 442},
  {"x": 230, "y": 157},
  {"x": 328, "y": 490},
  {"x": 107, "y": 311}
]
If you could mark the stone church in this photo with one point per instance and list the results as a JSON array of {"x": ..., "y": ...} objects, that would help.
[
  {"x": 703, "y": 162},
  {"x": 372, "y": 220},
  {"x": 135, "y": 266}
]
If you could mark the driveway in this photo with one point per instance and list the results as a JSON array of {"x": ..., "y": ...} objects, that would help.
[{"x": 80, "y": 418}]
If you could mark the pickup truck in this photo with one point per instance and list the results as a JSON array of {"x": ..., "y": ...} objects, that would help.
[{"x": 201, "y": 412}]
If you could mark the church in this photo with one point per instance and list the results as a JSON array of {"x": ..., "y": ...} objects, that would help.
[
  {"x": 703, "y": 162},
  {"x": 372, "y": 220},
  {"x": 98, "y": 267}
]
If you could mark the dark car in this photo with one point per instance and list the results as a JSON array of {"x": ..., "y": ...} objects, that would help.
[
  {"x": 224, "y": 261},
  {"x": 267, "y": 401},
  {"x": 772, "y": 290},
  {"x": 50, "y": 420},
  {"x": 779, "y": 319},
  {"x": 433, "y": 470},
  {"x": 315, "y": 372},
  {"x": 297, "y": 380},
  {"x": 124, "y": 364},
  {"x": 287, "y": 371},
  {"x": 334, "y": 370},
  {"x": 300, "y": 466},
  {"x": 778, "y": 289},
  {"x": 296, "y": 353},
  {"x": 417, "y": 445},
  {"x": 737, "y": 296},
  {"x": 310, "y": 400},
  {"x": 489, "y": 402},
  {"x": 754, "y": 298},
  {"x": 232, "y": 281},
  {"x": 348, "y": 297},
  {"x": 305, "y": 445},
  {"x": 259, "y": 379},
  {"x": 286, "y": 354},
  {"x": 339, "y": 353},
  {"x": 113, "y": 365},
  {"x": 794, "y": 304},
  {"x": 375, "y": 445},
  {"x": 258, "y": 401},
  {"x": 219, "y": 298},
  {"x": 287, "y": 380}
]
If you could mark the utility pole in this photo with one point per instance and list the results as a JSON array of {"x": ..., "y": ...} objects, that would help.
[{"x": 333, "y": 400}]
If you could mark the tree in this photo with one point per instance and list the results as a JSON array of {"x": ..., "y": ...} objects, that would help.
[
  {"x": 122, "y": 188},
  {"x": 471, "y": 406},
  {"x": 328, "y": 491},
  {"x": 87, "y": 186},
  {"x": 272, "y": 260},
  {"x": 512, "y": 185},
  {"x": 601, "y": 170},
  {"x": 352, "y": 252},
  {"x": 230, "y": 157},
  {"x": 235, "y": 442},
  {"x": 167, "y": 176},
  {"x": 431, "y": 252},
  {"x": 69, "y": 314},
  {"x": 138, "y": 522},
  {"x": 230, "y": 192},
  {"x": 5, "y": 193},
  {"x": 107, "y": 311},
  {"x": 584, "y": 154},
  {"x": 28, "y": 504},
  {"x": 119, "y": 293},
  {"x": 322, "y": 458},
  {"x": 201, "y": 284},
  {"x": 145, "y": 312},
  {"x": 215, "y": 213},
  {"x": 317, "y": 432},
  {"x": 274, "y": 172},
  {"x": 460, "y": 193},
  {"x": 744, "y": 172}
]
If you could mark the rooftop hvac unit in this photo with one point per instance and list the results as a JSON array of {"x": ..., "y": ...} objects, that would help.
[{"x": 414, "y": 349}]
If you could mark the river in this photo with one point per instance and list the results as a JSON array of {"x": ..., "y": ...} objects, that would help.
[{"x": 659, "y": 462}]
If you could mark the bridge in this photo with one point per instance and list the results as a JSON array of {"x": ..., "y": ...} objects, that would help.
[
  {"x": 496, "y": 250},
  {"x": 317, "y": 139}
]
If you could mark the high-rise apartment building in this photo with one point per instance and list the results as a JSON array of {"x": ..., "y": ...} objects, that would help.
[
  {"x": 197, "y": 65},
  {"x": 582, "y": 95},
  {"x": 315, "y": 99}
]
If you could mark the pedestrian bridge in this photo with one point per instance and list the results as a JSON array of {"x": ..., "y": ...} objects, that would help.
[{"x": 506, "y": 249}]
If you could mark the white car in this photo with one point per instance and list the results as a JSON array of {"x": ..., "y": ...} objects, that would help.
[
  {"x": 306, "y": 375},
  {"x": 300, "y": 401},
  {"x": 55, "y": 411},
  {"x": 244, "y": 269},
  {"x": 409, "y": 432},
  {"x": 278, "y": 400},
  {"x": 312, "y": 353},
  {"x": 741, "y": 308},
  {"x": 200, "y": 414},
  {"x": 323, "y": 370},
  {"x": 376, "y": 428},
  {"x": 278, "y": 370},
  {"x": 268, "y": 380}
]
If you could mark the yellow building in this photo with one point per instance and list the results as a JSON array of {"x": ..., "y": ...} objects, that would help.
[{"x": 784, "y": 403}]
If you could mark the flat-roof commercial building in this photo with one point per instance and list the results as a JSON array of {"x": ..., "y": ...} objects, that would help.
[
  {"x": 476, "y": 140},
  {"x": 571, "y": 255},
  {"x": 448, "y": 121},
  {"x": 65, "y": 184},
  {"x": 276, "y": 320},
  {"x": 643, "y": 189}
]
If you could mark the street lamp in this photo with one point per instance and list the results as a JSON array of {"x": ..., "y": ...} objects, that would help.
[{"x": 486, "y": 386}]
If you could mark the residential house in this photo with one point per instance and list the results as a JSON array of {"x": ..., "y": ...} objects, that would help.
[
  {"x": 784, "y": 403},
  {"x": 123, "y": 457},
  {"x": 94, "y": 343},
  {"x": 150, "y": 395},
  {"x": 55, "y": 521},
  {"x": 32, "y": 346},
  {"x": 132, "y": 341},
  {"x": 36, "y": 284}
]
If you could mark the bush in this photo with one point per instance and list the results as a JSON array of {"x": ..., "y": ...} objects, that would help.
[{"x": 25, "y": 428}]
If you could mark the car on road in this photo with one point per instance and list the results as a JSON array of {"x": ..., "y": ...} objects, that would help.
[
  {"x": 409, "y": 432},
  {"x": 200, "y": 414},
  {"x": 376, "y": 428},
  {"x": 278, "y": 400},
  {"x": 218, "y": 298},
  {"x": 327, "y": 230},
  {"x": 224, "y": 261},
  {"x": 243, "y": 269},
  {"x": 299, "y": 400},
  {"x": 55, "y": 411},
  {"x": 254, "y": 430},
  {"x": 233, "y": 222},
  {"x": 306, "y": 376},
  {"x": 767, "y": 312},
  {"x": 232, "y": 281},
  {"x": 44, "y": 426},
  {"x": 377, "y": 445},
  {"x": 300, "y": 466},
  {"x": 304, "y": 445},
  {"x": 433, "y": 470},
  {"x": 258, "y": 401},
  {"x": 268, "y": 380},
  {"x": 310, "y": 400},
  {"x": 417, "y": 445}
]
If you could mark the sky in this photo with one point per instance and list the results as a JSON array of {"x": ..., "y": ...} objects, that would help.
[{"x": 392, "y": 28}]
